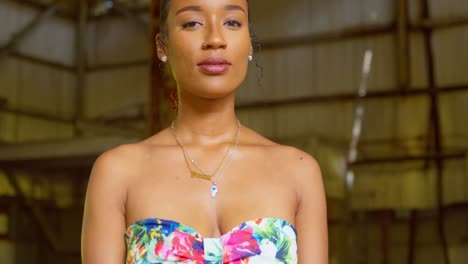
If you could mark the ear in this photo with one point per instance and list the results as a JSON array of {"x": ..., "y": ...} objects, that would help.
[{"x": 160, "y": 46}]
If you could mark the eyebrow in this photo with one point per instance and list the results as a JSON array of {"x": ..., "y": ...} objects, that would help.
[
  {"x": 234, "y": 7},
  {"x": 198, "y": 8},
  {"x": 189, "y": 8}
]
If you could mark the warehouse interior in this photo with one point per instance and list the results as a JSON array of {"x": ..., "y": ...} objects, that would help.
[{"x": 79, "y": 77}]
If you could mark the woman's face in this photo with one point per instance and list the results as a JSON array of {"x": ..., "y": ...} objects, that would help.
[{"x": 208, "y": 45}]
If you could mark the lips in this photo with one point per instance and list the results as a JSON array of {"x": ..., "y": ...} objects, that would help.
[{"x": 214, "y": 66}]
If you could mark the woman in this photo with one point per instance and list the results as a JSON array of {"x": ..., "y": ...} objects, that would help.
[{"x": 207, "y": 189}]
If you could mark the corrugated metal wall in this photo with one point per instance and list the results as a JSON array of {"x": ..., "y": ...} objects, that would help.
[{"x": 31, "y": 87}]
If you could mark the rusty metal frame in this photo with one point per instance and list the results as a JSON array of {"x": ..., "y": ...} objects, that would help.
[
  {"x": 403, "y": 47},
  {"x": 411, "y": 158},
  {"x": 18, "y": 36},
  {"x": 434, "y": 110},
  {"x": 139, "y": 23},
  {"x": 81, "y": 61},
  {"x": 349, "y": 97},
  {"x": 40, "y": 7},
  {"x": 50, "y": 237}
]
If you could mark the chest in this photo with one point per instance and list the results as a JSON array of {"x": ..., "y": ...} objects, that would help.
[{"x": 248, "y": 190}]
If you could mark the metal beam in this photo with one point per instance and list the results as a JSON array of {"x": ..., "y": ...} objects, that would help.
[
  {"x": 81, "y": 60},
  {"x": 333, "y": 36},
  {"x": 350, "y": 97},
  {"x": 414, "y": 158},
  {"x": 116, "y": 66},
  {"x": 18, "y": 36},
  {"x": 437, "y": 135},
  {"x": 58, "y": 154},
  {"x": 385, "y": 225},
  {"x": 412, "y": 227},
  {"x": 44, "y": 62},
  {"x": 139, "y": 23},
  {"x": 39, "y": 6},
  {"x": 402, "y": 25},
  {"x": 114, "y": 13},
  {"x": 403, "y": 47},
  {"x": 439, "y": 23},
  {"x": 50, "y": 164},
  {"x": 277, "y": 103},
  {"x": 38, "y": 115}
]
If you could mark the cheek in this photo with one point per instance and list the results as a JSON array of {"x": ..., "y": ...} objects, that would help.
[
  {"x": 241, "y": 47},
  {"x": 181, "y": 56}
]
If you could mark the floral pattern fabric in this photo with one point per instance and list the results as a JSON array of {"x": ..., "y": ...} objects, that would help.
[{"x": 263, "y": 240}]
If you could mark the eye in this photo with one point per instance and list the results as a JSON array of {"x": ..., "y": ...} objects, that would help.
[
  {"x": 233, "y": 23},
  {"x": 191, "y": 24}
]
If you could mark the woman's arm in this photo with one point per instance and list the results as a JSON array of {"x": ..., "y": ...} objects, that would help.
[
  {"x": 311, "y": 216},
  {"x": 103, "y": 227}
]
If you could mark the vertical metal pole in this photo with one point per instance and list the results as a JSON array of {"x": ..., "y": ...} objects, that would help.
[
  {"x": 403, "y": 48},
  {"x": 156, "y": 75},
  {"x": 437, "y": 135},
  {"x": 412, "y": 235},
  {"x": 81, "y": 61},
  {"x": 355, "y": 136},
  {"x": 385, "y": 216}
]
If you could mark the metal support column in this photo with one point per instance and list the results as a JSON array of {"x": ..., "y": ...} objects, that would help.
[
  {"x": 412, "y": 229},
  {"x": 385, "y": 223},
  {"x": 436, "y": 128},
  {"x": 403, "y": 48},
  {"x": 81, "y": 61}
]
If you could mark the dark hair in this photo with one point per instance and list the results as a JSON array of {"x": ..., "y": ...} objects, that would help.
[{"x": 164, "y": 11}]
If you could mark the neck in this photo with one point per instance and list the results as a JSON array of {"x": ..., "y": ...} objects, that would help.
[{"x": 206, "y": 121}]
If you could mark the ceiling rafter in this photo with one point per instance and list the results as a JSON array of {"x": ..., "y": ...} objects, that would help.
[
  {"x": 72, "y": 16},
  {"x": 39, "y": 6}
]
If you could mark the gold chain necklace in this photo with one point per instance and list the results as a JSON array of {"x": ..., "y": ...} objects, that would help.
[{"x": 203, "y": 175}]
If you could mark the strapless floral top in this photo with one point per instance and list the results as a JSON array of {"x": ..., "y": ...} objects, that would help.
[{"x": 263, "y": 240}]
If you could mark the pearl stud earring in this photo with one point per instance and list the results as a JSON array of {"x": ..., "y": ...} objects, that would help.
[
  {"x": 250, "y": 57},
  {"x": 164, "y": 58}
]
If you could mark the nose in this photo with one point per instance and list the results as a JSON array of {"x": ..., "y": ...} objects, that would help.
[{"x": 214, "y": 38}]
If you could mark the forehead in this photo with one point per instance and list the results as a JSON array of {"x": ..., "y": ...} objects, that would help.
[{"x": 205, "y": 4}]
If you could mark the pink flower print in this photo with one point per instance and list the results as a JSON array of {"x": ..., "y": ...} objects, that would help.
[
  {"x": 186, "y": 246},
  {"x": 181, "y": 247},
  {"x": 239, "y": 244}
]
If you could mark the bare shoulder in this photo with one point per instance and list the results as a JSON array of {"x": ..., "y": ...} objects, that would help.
[
  {"x": 292, "y": 157},
  {"x": 299, "y": 161},
  {"x": 311, "y": 211},
  {"x": 119, "y": 160},
  {"x": 123, "y": 161},
  {"x": 104, "y": 212},
  {"x": 293, "y": 160},
  {"x": 300, "y": 164}
]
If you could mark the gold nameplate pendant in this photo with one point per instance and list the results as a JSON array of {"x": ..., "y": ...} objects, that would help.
[{"x": 200, "y": 175}]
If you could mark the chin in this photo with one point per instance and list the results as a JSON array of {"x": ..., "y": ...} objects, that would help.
[
  {"x": 216, "y": 87},
  {"x": 215, "y": 92}
]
